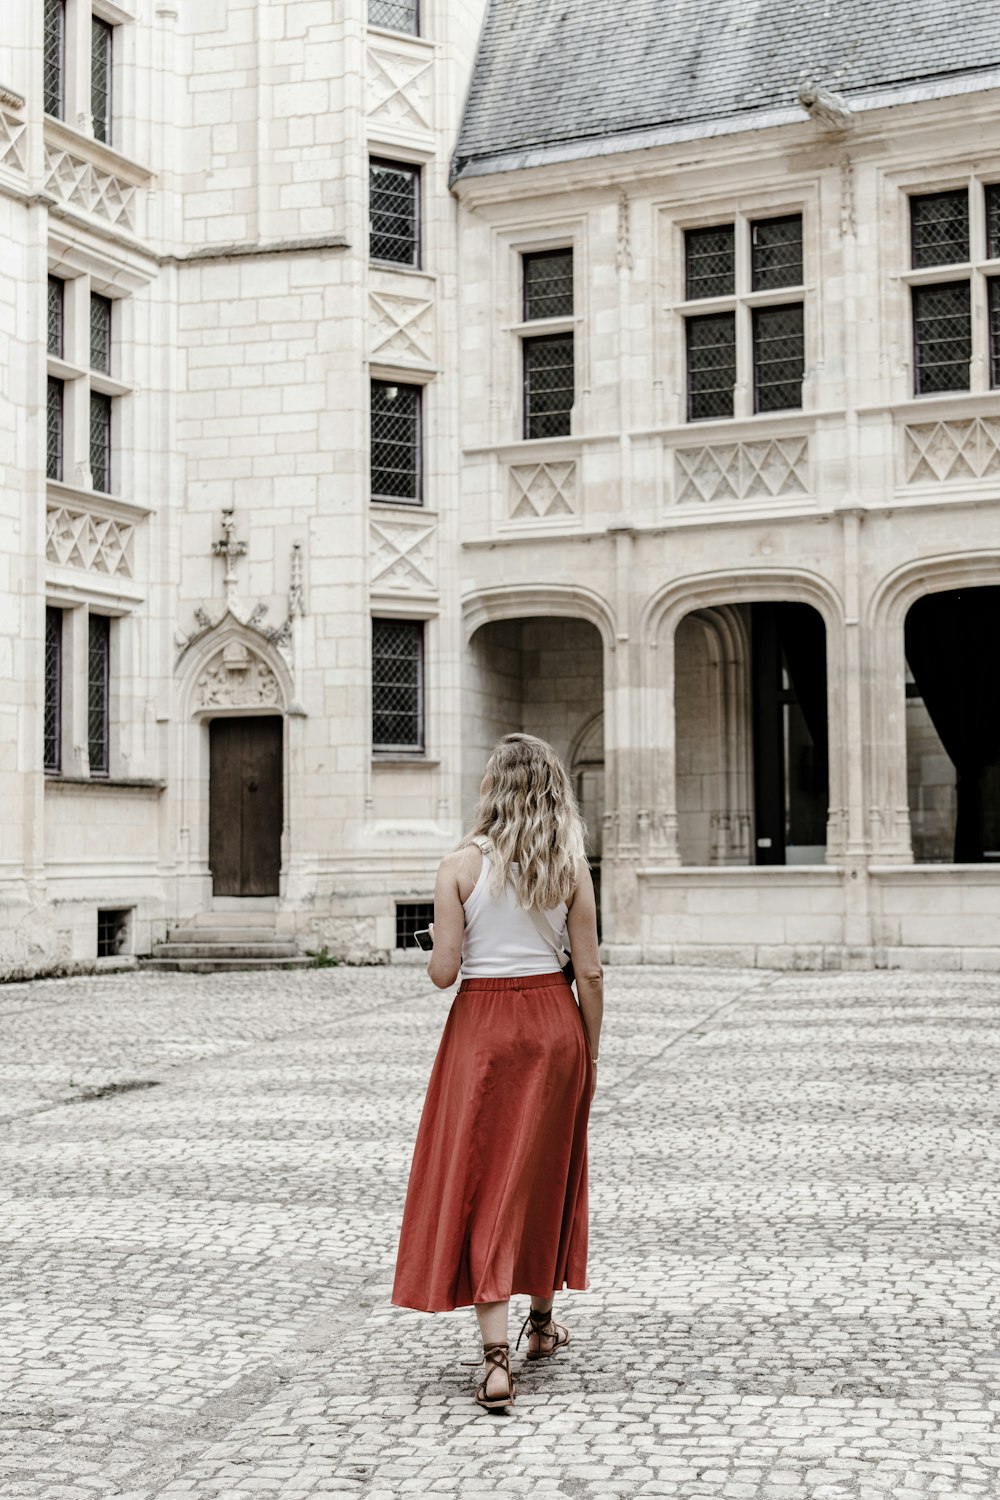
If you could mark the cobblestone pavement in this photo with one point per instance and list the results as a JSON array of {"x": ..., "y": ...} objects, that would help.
[{"x": 794, "y": 1245}]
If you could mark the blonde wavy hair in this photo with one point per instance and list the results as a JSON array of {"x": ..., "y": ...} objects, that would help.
[{"x": 530, "y": 816}]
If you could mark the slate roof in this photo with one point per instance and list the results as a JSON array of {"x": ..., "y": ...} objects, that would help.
[{"x": 551, "y": 71}]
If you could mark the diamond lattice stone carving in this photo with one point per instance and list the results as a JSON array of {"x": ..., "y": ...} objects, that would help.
[
  {"x": 85, "y": 186},
  {"x": 543, "y": 489},
  {"x": 401, "y": 326},
  {"x": 735, "y": 471},
  {"x": 402, "y": 555},
  {"x": 80, "y": 539},
  {"x": 936, "y": 451},
  {"x": 12, "y": 142},
  {"x": 399, "y": 89}
]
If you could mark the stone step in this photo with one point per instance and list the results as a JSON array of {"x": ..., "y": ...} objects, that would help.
[
  {"x": 203, "y": 949},
  {"x": 223, "y": 933},
  {"x": 256, "y": 917},
  {"x": 220, "y": 965}
]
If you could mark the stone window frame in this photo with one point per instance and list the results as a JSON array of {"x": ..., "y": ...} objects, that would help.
[
  {"x": 507, "y": 372},
  {"x": 742, "y": 213},
  {"x": 78, "y": 33},
  {"x": 75, "y": 662},
  {"x": 980, "y": 271},
  {"x": 81, "y": 382}
]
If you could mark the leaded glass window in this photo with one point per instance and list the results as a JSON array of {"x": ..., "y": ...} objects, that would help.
[
  {"x": 993, "y": 221},
  {"x": 548, "y": 284},
  {"x": 711, "y": 365},
  {"x": 776, "y": 253},
  {"x": 100, "y": 333},
  {"x": 942, "y": 337},
  {"x": 57, "y": 302},
  {"x": 100, "y": 440},
  {"x": 939, "y": 226},
  {"x": 778, "y": 357},
  {"x": 710, "y": 262},
  {"x": 98, "y": 693},
  {"x": 394, "y": 15},
  {"x": 397, "y": 684},
  {"x": 549, "y": 385},
  {"x": 54, "y": 431},
  {"x": 53, "y": 689},
  {"x": 53, "y": 61},
  {"x": 394, "y": 190},
  {"x": 395, "y": 442},
  {"x": 100, "y": 77},
  {"x": 994, "y": 313}
]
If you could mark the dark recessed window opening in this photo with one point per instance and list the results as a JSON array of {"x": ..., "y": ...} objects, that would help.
[
  {"x": 939, "y": 228},
  {"x": 53, "y": 689},
  {"x": 548, "y": 284},
  {"x": 993, "y": 221},
  {"x": 54, "y": 430},
  {"x": 394, "y": 194},
  {"x": 549, "y": 385},
  {"x": 994, "y": 308},
  {"x": 778, "y": 357},
  {"x": 398, "y": 685},
  {"x": 100, "y": 333},
  {"x": 711, "y": 365},
  {"x": 100, "y": 440},
  {"x": 710, "y": 262},
  {"x": 411, "y": 917},
  {"x": 112, "y": 932},
  {"x": 57, "y": 303},
  {"x": 99, "y": 693},
  {"x": 100, "y": 78},
  {"x": 53, "y": 60},
  {"x": 776, "y": 252},
  {"x": 942, "y": 337},
  {"x": 396, "y": 442},
  {"x": 394, "y": 15}
]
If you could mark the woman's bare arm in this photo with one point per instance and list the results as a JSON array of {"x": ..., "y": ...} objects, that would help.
[
  {"x": 582, "y": 928},
  {"x": 456, "y": 877}
]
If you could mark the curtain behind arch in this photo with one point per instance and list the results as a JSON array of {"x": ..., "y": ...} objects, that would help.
[{"x": 953, "y": 650}]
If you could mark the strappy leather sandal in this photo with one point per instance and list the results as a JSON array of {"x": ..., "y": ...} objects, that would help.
[
  {"x": 541, "y": 1323},
  {"x": 496, "y": 1357}
]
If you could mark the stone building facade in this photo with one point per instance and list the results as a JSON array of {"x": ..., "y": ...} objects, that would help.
[{"x": 373, "y": 391}]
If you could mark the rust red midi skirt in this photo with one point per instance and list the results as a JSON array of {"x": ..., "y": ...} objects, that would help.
[{"x": 497, "y": 1196}]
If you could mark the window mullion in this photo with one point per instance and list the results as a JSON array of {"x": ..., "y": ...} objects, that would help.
[{"x": 743, "y": 391}]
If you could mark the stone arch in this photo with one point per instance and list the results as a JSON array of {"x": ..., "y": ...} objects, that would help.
[
  {"x": 884, "y": 617},
  {"x": 513, "y": 601},
  {"x": 708, "y": 593}
]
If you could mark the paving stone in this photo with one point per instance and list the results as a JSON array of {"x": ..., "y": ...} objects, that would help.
[{"x": 793, "y": 1244}]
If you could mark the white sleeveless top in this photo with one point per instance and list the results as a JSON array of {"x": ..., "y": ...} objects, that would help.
[{"x": 501, "y": 941}]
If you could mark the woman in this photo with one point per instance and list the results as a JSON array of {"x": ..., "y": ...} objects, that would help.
[{"x": 497, "y": 1197}]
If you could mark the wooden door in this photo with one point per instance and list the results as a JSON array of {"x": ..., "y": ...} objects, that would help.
[{"x": 245, "y": 806}]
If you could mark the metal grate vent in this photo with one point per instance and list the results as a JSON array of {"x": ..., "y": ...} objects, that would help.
[
  {"x": 710, "y": 262},
  {"x": 112, "y": 932},
  {"x": 411, "y": 916},
  {"x": 942, "y": 337},
  {"x": 397, "y": 684}
]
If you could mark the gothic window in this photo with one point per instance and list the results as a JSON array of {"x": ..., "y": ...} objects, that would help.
[
  {"x": 744, "y": 263},
  {"x": 778, "y": 357},
  {"x": 54, "y": 58},
  {"x": 57, "y": 301},
  {"x": 98, "y": 693},
  {"x": 100, "y": 440},
  {"x": 396, "y": 442},
  {"x": 711, "y": 365},
  {"x": 100, "y": 333},
  {"x": 548, "y": 284},
  {"x": 394, "y": 15},
  {"x": 100, "y": 77},
  {"x": 939, "y": 229},
  {"x": 549, "y": 385},
  {"x": 397, "y": 685},
  {"x": 942, "y": 337},
  {"x": 53, "y": 689},
  {"x": 394, "y": 191},
  {"x": 710, "y": 262},
  {"x": 54, "y": 430}
]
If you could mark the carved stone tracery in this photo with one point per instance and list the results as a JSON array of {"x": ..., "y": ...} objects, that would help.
[
  {"x": 80, "y": 184},
  {"x": 736, "y": 471},
  {"x": 237, "y": 677}
]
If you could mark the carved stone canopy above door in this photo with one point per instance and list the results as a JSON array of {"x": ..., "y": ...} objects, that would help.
[{"x": 236, "y": 677}]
